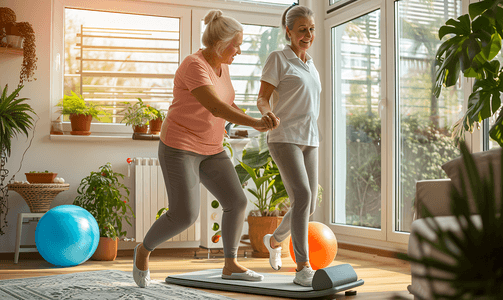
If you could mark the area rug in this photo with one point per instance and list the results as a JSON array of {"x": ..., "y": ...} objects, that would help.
[{"x": 99, "y": 285}]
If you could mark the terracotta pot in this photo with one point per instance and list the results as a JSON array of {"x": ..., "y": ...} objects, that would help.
[
  {"x": 40, "y": 177},
  {"x": 155, "y": 126},
  {"x": 81, "y": 124},
  {"x": 260, "y": 226},
  {"x": 12, "y": 29},
  {"x": 140, "y": 129},
  {"x": 107, "y": 249}
]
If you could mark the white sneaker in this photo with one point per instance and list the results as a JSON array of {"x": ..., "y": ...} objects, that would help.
[
  {"x": 142, "y": 278},
  {"x": 304, "y": 277},
  {"x": 274, "y": 253}
]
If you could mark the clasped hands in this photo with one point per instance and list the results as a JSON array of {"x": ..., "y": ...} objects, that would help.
[{"x": 269, "y": 121}]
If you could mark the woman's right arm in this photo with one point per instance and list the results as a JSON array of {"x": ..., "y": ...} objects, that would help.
[
  {"x": 264, "y": 94},
  {"x": 208, "y": 97}
]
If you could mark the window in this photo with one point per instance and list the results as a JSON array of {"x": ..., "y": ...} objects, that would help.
[
  {"x": 424, "y": 122},
  {"x": 387, "y": 130},
  {"x": 258, "y": 42},
  {"x": 126, "y": 50},
  {"x": 246, "y": 70},
  {"x": 110, "y": 62},
  {"x": 356, "y": 144}
]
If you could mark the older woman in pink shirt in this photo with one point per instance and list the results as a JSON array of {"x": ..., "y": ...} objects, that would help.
[{"x": 191, "y": 148}]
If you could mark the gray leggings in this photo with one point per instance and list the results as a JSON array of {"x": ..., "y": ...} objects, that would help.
[
  {"x": 298, "y": 165},
  {"x": 183, "y": 170}
]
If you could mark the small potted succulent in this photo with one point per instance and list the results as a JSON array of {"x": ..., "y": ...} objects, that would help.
[
  {"x": 81, "y": 113},
  {"x": 138, "y": 115},
  {"x": 106, "y": 199}
]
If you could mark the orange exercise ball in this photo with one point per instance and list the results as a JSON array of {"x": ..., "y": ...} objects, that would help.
[{"x": 322, "y": 245}]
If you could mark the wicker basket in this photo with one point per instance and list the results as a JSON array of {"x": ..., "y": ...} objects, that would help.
[{"x": 38, "y": 196}]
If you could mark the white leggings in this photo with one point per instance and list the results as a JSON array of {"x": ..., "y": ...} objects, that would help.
[
  {"x": 298, "y": 166},
  {"x": 183, "y": 171}
]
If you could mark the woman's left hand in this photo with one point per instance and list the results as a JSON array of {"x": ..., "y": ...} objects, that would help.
[
  {"x": 261, "y": 125},
  {"x": 271, "y": 120}
]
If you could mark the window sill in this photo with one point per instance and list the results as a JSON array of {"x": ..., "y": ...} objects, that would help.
[
  {"x": 94, "y": 137},
  {"x": 117, "y": 137}
]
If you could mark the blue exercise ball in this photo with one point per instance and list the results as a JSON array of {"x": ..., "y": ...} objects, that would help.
[{"x": 67, "y": 235}]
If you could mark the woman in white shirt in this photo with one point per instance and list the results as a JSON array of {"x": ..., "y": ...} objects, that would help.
[{"x": 289, "y": 75}]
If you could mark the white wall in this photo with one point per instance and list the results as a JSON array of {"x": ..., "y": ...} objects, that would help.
[
  {"x": 74, "y": 160},
  {"x": 71, "y": 160}
]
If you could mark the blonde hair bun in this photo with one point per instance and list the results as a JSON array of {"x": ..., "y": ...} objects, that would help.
[{"x": 212, "y": 15}]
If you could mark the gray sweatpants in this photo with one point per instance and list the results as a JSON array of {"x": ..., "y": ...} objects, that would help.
[
  {"x": 298, "y": 166},
  {"x": 183, "y": 171}
]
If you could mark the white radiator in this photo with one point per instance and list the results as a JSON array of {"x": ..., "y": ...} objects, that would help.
[{"x": 150, "y": 197}]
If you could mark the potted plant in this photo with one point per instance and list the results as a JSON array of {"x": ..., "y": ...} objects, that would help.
[
  {"x": 103, "y": 196},
  {"x": 81, "y": 113},
  {"x": 156, "y": 123},
  {"x": 472, "y": 49},
  {"x": 40, "y": 177},
  {"x": 15, "y": 119},
  {"x": 138, "y": 115},
  {"x": 269, "y": 193},
  {"x": 24, "y": 31},
  {"x": 466, "y": 261}
]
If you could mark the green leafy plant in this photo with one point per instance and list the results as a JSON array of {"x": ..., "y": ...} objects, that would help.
[
  {"x": 157, "y": 113},
  {"x": 258, "y": 165},
  {"x": 470, "y": 259},
  {"x": 75, "y": 104},
  {"x": 15, "y": 119},
  {"x": 139, "y": 114},
  {"x": 101, "y": 194},
  {"x": 472, "y": 49}
]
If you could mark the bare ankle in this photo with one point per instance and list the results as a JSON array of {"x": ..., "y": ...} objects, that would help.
[
  {"x": 143, "y": 251},
  {"x": 274, "y": 243}
]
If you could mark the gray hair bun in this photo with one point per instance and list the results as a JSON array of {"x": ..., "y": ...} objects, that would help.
[{"x": 212, "y": 15}]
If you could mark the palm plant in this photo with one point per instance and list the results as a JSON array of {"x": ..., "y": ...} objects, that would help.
[
  {"x": 15, "y": 119},
  {"x": 472, "y": 49},
  {"x": 471, "y": 261},
  {"x": 258, "y": 165}
]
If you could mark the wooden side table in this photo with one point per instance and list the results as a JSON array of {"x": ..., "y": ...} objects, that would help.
[{"x": 39, "y": 197}]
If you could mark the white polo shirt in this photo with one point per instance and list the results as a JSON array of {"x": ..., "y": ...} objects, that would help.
[{"x": 296, "y": 100}]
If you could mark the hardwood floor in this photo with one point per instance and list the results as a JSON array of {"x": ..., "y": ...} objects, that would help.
[{"x": 384, "y": 277}]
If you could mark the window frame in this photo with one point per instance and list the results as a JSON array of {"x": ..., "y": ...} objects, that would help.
[
  {"x": 148, "y": 9},
  {"x": 264, "y": 14},
  {"x": 386, "y": 237}
]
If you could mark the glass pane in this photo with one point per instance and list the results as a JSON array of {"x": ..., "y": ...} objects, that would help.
[
  {"x": 424, "y": 122},
  {"x": 120, "y": 61},
  {"x": 490, "y": 143},
  {"x": 356, "y": 72},
  {"x": 246, "y": 69}
]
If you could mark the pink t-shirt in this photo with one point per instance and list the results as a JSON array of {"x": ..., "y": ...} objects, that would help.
[{"x": 189, "y": 125}]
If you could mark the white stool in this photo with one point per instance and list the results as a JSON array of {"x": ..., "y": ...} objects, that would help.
[{"x": 20, "y": 218}]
